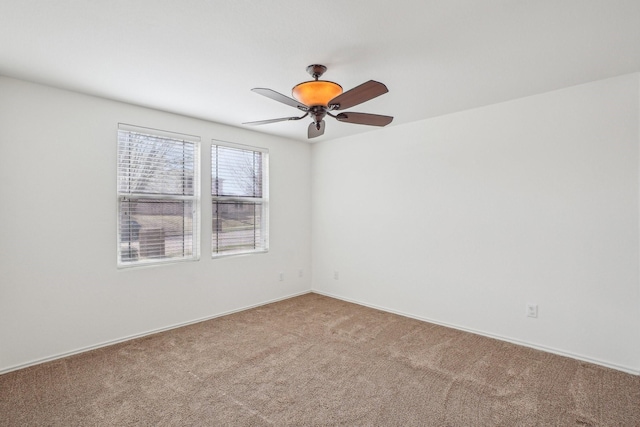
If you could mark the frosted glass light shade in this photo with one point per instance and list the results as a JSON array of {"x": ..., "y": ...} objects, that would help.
[{"x": 316, "y": 92}]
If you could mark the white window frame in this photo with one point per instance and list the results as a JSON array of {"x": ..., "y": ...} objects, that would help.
[
  {"x": 195, "y": 198},
  {"x": 262, "y": 201}
]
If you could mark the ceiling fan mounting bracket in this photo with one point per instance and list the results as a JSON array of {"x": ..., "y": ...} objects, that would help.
[{"x": 316, "y": 70}]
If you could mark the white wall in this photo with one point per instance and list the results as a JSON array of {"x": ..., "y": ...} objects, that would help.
[
  {"x": 461, "y": 219},
  {"x": 60, "y": 290},
  {"x": 465, "y": 218}
]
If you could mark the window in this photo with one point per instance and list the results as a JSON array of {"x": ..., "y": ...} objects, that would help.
[
  {"x": 239, "y": 199},
  {"x": 158, "y": 188}
]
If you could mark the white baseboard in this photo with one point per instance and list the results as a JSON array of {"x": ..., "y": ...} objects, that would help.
[
  {"x": 143, "y": 334},
  {"x": 486, "y": 334}
]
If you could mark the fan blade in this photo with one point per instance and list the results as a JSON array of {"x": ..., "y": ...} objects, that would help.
[
  {"x": 364, "y": 119},
  {"x": 314, "y": 131},
  {"x": 280, "y": 98},
  {"x": 358, "y": 95},
  {"x": 266, "y": 122}
]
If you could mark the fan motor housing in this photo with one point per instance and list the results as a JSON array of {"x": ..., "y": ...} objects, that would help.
[{"x": 318, "y": 112}]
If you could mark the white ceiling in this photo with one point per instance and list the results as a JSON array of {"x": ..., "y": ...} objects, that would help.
[{"x": 201, "y": 58}]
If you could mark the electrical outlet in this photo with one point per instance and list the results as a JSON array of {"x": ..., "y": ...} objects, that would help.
[
  {"x": 300, "y": 273},
  {"x": 336, "y": 276},
  {"x": 532, "y": 310},
  {"x": 281, "y": 276}
]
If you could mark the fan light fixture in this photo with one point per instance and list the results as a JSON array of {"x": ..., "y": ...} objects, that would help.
[{"x": 316, "y": 92}]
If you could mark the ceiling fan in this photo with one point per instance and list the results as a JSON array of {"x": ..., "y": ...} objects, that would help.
[{"x": 317, "y": 98}]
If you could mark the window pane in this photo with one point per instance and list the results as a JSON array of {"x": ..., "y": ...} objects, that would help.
[
  {"x": 237, "y": 227},
  {"x": 150, "y": 164},
  {"x": 236, "y": 172},
  {"x": 155, "y": 229}
]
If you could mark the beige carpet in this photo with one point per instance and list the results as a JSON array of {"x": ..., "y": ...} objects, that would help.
[{"x": 314, "y": 360}]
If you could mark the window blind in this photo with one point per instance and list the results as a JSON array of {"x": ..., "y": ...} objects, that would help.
[
  {"x": 157, "y": 197},
  {"x": 239, "y": 199}
]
